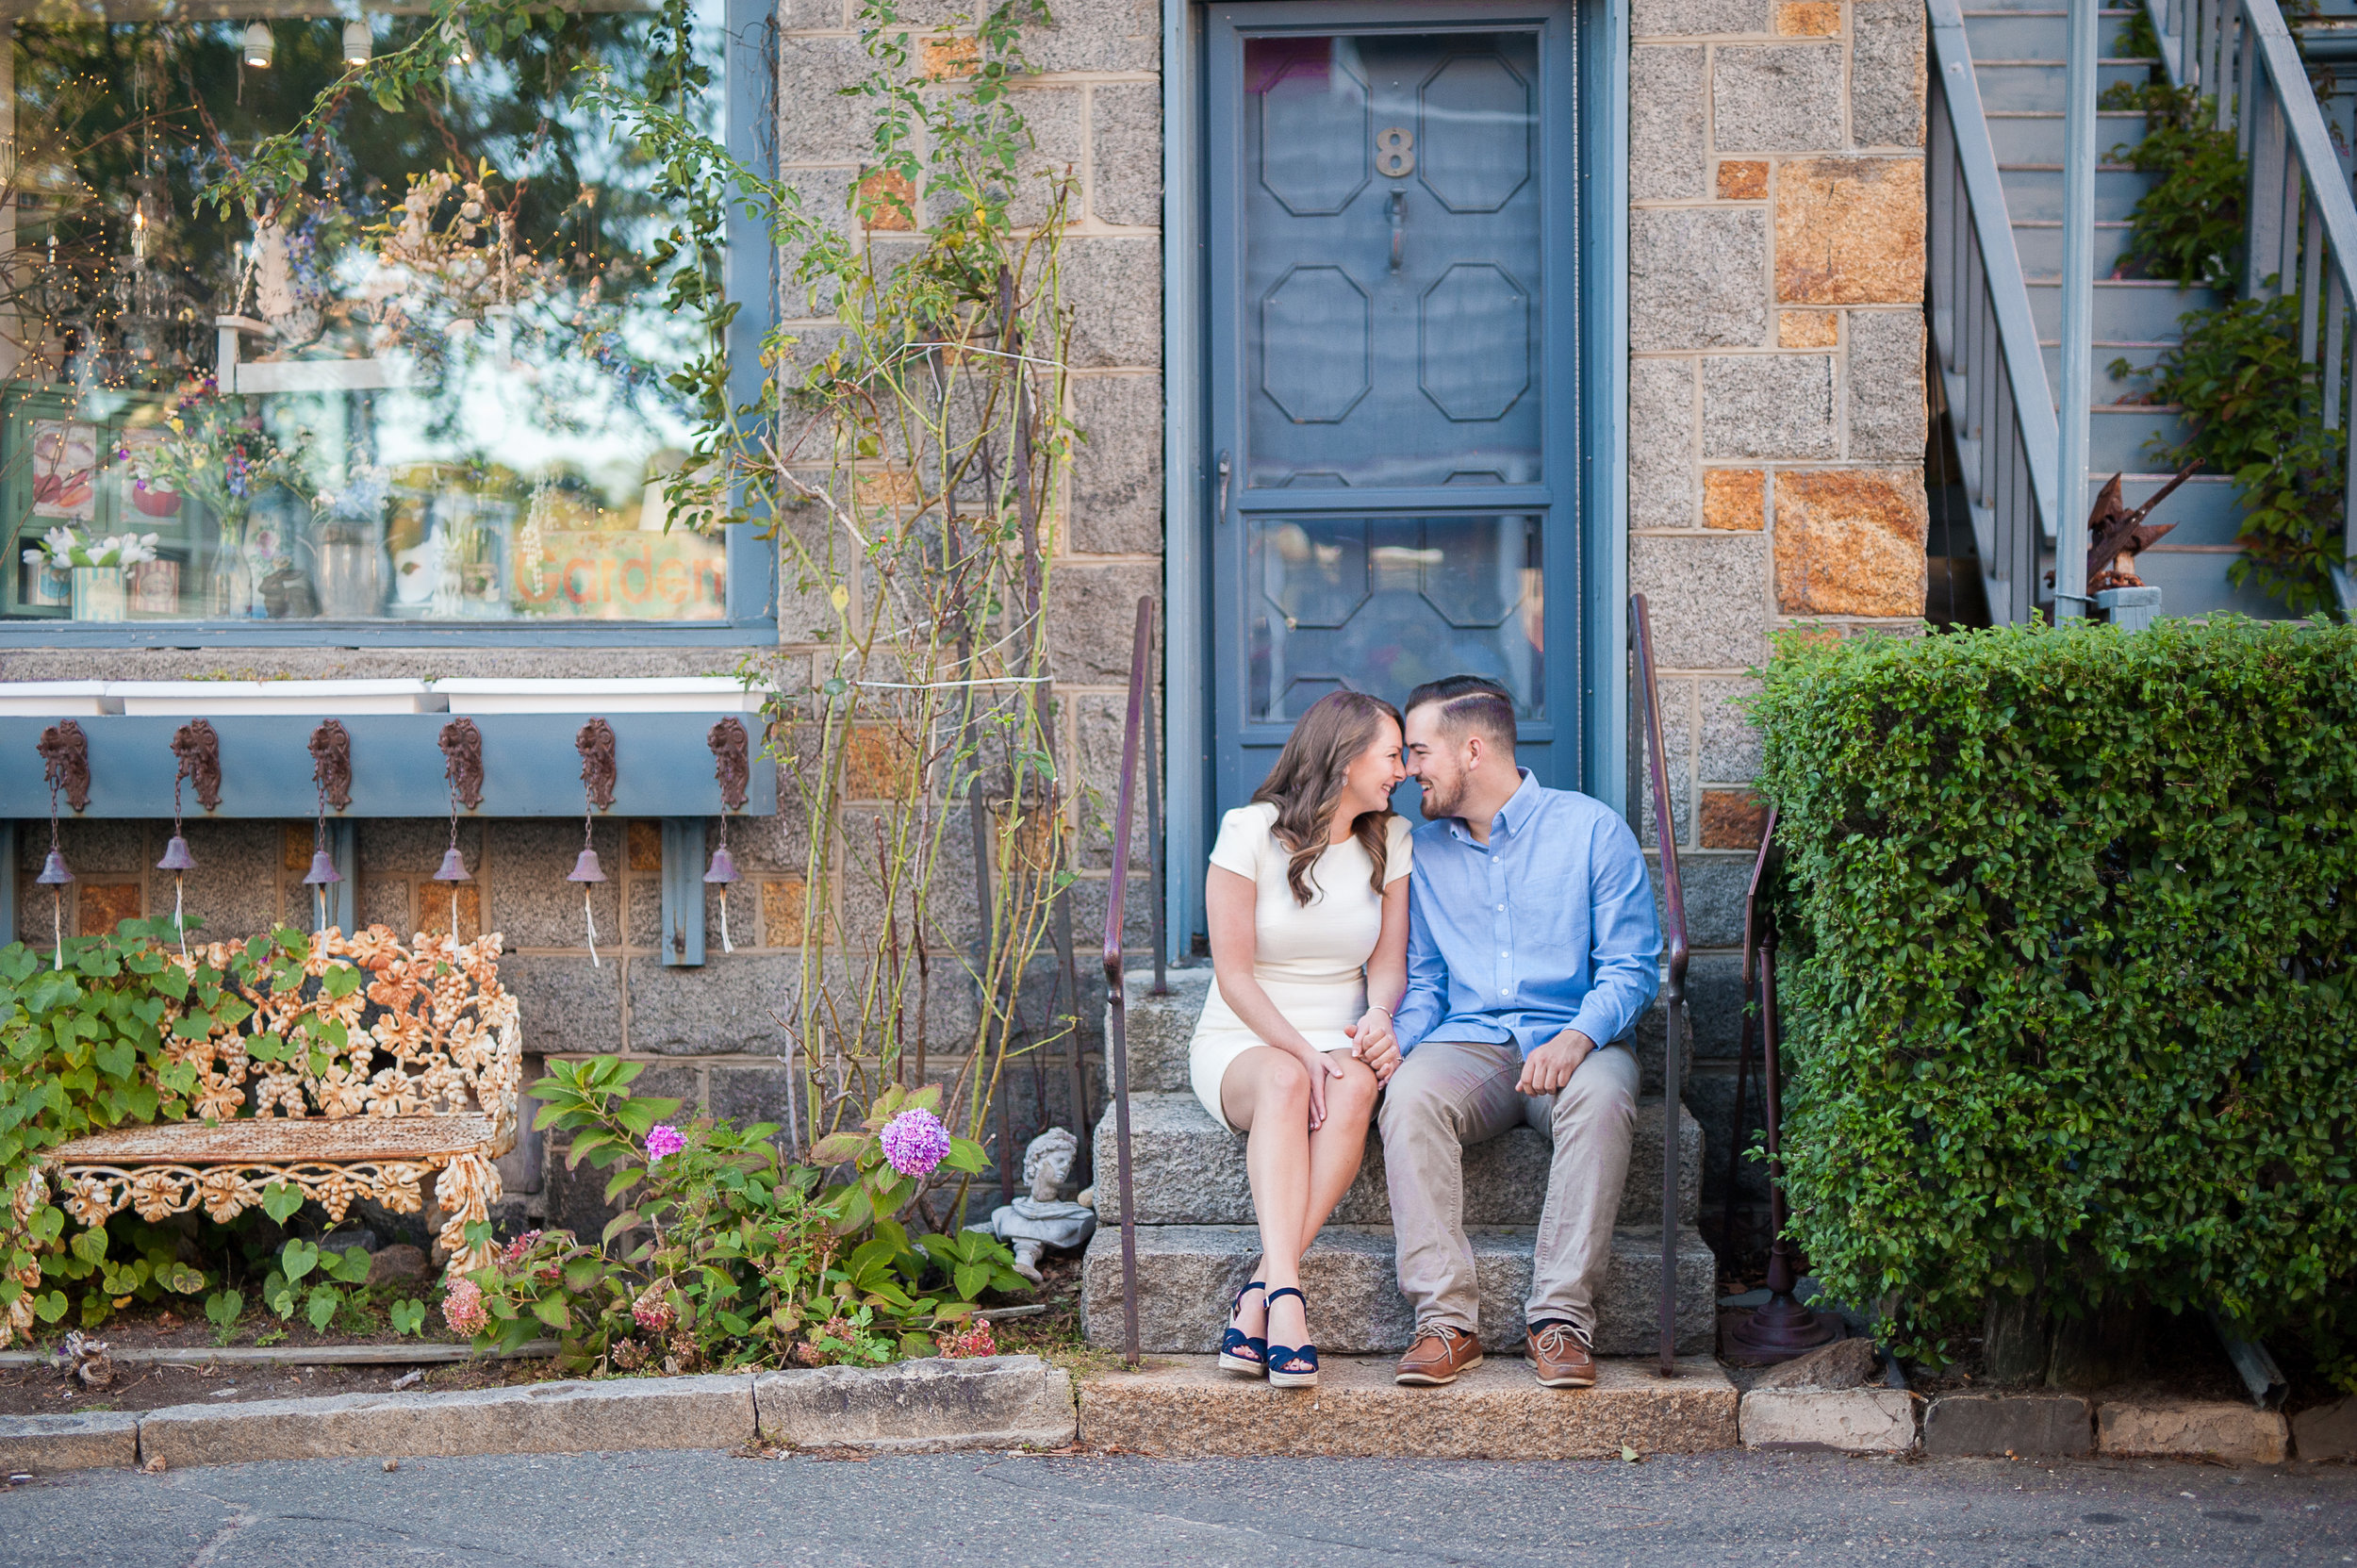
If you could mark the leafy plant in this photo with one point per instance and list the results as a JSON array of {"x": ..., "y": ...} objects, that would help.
[
  {"x": 2188, "y": 228},
  {"x": 725, "y": 1254},
  {"x": 2070, "y": 975}
]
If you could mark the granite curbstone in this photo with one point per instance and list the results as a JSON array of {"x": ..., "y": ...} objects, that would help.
[
  {"x": 919, "y": 1406},
  {"x": 1963, "y": 1424},
  {"x": 533, "y": 1419},
  {"x": 86, "y": 1440},
  {"x": 1850, "y": 1420}
]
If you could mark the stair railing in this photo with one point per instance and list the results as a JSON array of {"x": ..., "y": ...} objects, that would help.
[
  {"x": 1674, "y": 985},
  {"x": 2300, "y": 222},
  {"x": 1137, "y": 725},
  {"x": 2000, "y": 403}
]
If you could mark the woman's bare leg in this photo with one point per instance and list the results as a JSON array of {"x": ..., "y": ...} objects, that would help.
[
  {"x": 1266, "y": 1092},
  {"x": 1337, "y": 1148}
]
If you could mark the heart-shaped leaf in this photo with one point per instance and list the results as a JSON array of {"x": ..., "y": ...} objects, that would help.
[
  {"x": 280, "y": 1199},
  {"x": 296, "y": 1259}
]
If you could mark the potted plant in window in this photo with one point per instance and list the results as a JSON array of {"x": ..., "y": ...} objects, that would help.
[
  {"x": 94, "y": 568},
  {"x": 216, "y": 453}
]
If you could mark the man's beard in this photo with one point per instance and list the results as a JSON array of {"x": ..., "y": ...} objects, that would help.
[{"x": 1439, "y": 801}]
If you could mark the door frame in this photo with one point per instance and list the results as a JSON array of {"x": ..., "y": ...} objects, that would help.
[{"x": 1598, "y": 494}]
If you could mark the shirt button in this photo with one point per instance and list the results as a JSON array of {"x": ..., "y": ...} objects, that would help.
[{"x": 1501, "y": 909}]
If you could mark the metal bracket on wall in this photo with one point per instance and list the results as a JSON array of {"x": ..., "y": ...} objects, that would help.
[{"x": 683, "y": 891}]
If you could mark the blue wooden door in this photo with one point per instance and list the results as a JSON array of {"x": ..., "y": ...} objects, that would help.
[{"x": 1393, "y": 365}]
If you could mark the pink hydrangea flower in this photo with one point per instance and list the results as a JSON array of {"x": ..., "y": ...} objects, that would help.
[
  {"x": 663, "y": 1141},
  {"x": 915, "y": 1142},
  {"x": 462, "y": 1308},
  {"x": 976, "y": 1339},
  {"x": 651, "y": 1313}
]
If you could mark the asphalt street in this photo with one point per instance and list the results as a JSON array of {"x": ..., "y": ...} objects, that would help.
[{"x": 944, "y": 1510}]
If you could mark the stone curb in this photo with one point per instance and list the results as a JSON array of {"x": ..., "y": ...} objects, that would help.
[
  {"x": 998, "y": 1401},
  {"x": 1849, "y": 1420}
]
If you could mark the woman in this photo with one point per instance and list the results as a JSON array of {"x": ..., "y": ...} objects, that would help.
[{"x": 1307, "y": 899}]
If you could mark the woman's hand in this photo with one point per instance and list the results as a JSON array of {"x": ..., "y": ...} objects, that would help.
[
  {"x": 1321, "y": 1068},
  {"x": 1374, "y": 1042}
]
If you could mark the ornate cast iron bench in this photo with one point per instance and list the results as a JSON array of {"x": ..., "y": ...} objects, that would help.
[{"x": 424, "y": 1095}]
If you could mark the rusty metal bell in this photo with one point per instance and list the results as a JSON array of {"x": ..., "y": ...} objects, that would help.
[
  {"x": 323, "y": 870},
  {"x": 453, "y": 867},
  {"x": 53, "y": 872},
  {"x": 586, "y": 867},
  {"x": 723, "y": 869},
  {"x": 176, "y": 856}
]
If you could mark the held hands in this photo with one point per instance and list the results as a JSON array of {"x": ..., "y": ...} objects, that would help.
[
  {"x": 1374, "y": 1042},
  {"x": 1548, "y": 1069}
]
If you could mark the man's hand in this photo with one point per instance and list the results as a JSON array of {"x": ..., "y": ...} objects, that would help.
[
  {"x": 1548, "y": 1069},
  {"x": 1372, "y": 1041}
]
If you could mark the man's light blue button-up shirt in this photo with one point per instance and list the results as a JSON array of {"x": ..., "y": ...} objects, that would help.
[{"x": 1550, "y": 927}]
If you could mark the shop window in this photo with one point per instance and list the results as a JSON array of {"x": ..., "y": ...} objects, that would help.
[{"x": 432, "y": 388}]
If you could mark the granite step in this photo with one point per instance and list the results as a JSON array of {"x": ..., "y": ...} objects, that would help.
[
  {"x": 1187, "y": 1170},
  {"x": 1187, "y": 1274},
  {"x": 1159, "y": 1028},
  {"x": 1186, "y": 1407}
]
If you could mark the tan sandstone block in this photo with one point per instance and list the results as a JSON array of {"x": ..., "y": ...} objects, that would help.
[
  {"x": 1735, "y": 498},
  {"x": 1734, "y": 819},
  {"x": 888, "y": 200},
  {"x": 1850, "y": 541},
  {"x": 1742, "y": 179},
  {"x": 1850, "y": 231},
  {"x": 2219, "y": 1428},
  {"x": 1809, "y": 18},
  {"x": 1808, "y": 329},
  {"x": 99, "y": 907},
  {"x": 950, "y": 59}
]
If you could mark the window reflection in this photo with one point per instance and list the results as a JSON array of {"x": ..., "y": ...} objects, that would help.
[{"x": 432, "y": 387}]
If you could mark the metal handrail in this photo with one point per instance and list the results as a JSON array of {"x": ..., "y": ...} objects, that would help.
[
  {"x": 1674, "y": 987},
  {"x": 2299, "y": 219},
  {"x": 1138, "y": 719},
  {"x": 2002, "y": 410}
]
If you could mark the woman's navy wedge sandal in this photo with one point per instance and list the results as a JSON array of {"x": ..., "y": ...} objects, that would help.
[
  {"x": 1292, "y": 1367},
  {"x": 1239, "y": 1352}
]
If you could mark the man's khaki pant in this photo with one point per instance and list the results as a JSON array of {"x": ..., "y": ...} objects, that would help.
[{"x": 1449, "y": 1094}]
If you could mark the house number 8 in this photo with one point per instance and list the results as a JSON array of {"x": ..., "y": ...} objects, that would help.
[{"x": 1394, "y": 153}]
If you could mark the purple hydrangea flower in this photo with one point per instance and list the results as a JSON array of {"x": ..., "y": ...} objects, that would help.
[
  {"x": 663, "y": 1141},
  {"x": 915, "y": 1142}
]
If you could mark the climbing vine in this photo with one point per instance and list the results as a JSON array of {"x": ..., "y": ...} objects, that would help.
[{"x": 2253, "y": 409}]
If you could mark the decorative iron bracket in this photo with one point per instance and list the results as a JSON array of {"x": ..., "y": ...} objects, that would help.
[
  {"x": 330, "y": 763},
  {"x": 196, "y": 747}
]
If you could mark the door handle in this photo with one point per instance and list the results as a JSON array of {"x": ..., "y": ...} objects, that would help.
[
  {"x": 1399, "y": 221},
  {"x": 1222, "y": 514}
]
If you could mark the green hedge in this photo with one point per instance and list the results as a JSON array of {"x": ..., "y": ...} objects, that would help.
[{"x": 2069, "y": 918}]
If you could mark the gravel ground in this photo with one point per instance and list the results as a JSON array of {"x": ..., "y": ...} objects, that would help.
[{"x": 705, "y": 1508}]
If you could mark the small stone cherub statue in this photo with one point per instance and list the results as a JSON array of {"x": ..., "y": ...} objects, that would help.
[{"x": 1033, "y": 1224}]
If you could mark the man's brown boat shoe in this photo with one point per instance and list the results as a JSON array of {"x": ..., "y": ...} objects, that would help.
[
  {"x": 1439, "y": 1354},
  {"x": 1560, "y": 1358}
]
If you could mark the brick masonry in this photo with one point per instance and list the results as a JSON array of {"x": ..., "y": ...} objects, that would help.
[{"x": 1776, "y": 400}]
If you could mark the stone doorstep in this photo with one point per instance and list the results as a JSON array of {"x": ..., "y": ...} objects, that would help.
[
  {"x": 1850, "y": 1420},
  {"x": 2212, "y": 1429},
  {"x": 1186, "y": 1407},
  {"x": 1188, "y": 1274},
  {"x": 998, "y": 1401},
  {"x": 1187, "y": 1170},
  {"x": 1992, "y": 1424}
]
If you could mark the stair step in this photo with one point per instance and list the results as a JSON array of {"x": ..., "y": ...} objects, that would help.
[
  {"x": 1186, "y": 1170},
  {"x": 1188, "y": 1275},
  {"x": 2035, "y": 193},
  {"x": 2039, "y": 244},
  {"x": 1186, "y": 1407},
  {"x": 2108, "y": 387},
  {"x": 2038, "y": 35},
  {"x": 2037, "y": 83},
  {"x": 2194, "y": 582},
  {"x": 1160, "y": 1030},
  {"x": 2036, "y": 135},
  {"x": 2127, "y": 311}
]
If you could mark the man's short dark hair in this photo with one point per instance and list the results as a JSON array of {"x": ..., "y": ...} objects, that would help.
[{"x": 1473, "y": 703}]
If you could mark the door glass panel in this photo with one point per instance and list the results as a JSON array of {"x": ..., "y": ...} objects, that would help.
[
  {"x": 1391, "y": 307},
  {"x": 1382, "y": 604}
]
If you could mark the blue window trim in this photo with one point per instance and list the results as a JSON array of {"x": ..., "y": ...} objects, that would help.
[
  {"x": 748, "y": 272},
  {"x": 1601, "y": 133}
]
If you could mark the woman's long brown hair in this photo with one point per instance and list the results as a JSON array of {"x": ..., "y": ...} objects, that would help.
[{"x": 1306, "y": 785}]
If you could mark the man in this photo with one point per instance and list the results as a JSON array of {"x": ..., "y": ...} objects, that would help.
[{"x": 1532, "y": 949}]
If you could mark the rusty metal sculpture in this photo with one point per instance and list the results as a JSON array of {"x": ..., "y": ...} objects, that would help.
[
  {"x": 462, "y": 763},
  {"x": 2118, "y": 536},
  {"x": 196, "y": 747}
]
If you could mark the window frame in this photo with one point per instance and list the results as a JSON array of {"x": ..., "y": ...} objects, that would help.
[{"x": 748, "y": 276}]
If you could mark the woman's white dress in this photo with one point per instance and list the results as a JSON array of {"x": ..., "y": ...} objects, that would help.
[{"x": 1309, "y": 958}]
